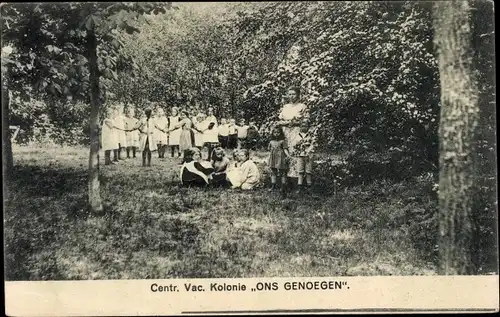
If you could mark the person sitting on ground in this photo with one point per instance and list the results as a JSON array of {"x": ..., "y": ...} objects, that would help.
[
  {"x": 247, "y": 175},
  {"x": 195, "y": 171},
  {"x": 220, "y": 164},
  {"x": 233, "y": 163}
]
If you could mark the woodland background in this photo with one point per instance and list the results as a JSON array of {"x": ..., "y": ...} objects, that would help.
[{"x": 368, "y": 71}]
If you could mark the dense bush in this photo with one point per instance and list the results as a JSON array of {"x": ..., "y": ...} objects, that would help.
[
  {"x": 367, "y": 72},
  {"x": 50, "y": 122}
]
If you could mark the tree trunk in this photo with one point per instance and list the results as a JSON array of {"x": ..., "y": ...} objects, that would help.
[
  {"x": 8, "y": 161},
  {"x": 95, "y": 202},
  {"x": 457, "y": 133}
]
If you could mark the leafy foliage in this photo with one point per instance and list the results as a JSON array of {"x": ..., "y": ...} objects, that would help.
[
  {"x": 48, "y": 59},
  {"x": 367, "y": 71}
]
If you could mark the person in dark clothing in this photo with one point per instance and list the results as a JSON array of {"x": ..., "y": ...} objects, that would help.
[
  {"x": 253, "y": 137},
  {"x": 195, "y": 171},
  {"x": 220, "y": 163}
]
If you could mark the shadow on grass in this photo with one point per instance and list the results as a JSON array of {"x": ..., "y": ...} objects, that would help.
[
  {"x": 37, "y": 181},
  {"x": 153, "y": 228}
]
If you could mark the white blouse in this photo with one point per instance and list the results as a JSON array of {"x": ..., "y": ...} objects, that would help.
[{"x": 292, "y": 111}]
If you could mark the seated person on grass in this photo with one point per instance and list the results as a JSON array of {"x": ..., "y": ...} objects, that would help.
[
  {"x": 195, "y": 171},
  {"x": 220, "y": 164},
  {"x": 247, "y": 175}
]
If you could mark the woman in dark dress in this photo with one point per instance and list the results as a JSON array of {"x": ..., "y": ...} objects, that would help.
[{"x": 195, "y": 171}]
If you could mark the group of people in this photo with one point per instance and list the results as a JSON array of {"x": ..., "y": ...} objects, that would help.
[
  {"x": 123, "y": 131},
  {"x": 241, "y": 172},
  {"x": 291, "y": 147}
]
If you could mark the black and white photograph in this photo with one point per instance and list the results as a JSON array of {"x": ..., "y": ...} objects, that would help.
[{"x": 205, "y": 140}]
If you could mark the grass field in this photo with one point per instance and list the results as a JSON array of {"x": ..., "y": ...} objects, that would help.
[{"x": 152, "y": 228}]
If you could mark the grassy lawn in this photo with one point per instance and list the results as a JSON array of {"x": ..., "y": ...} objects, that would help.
[{"x": 152, "y": 228}]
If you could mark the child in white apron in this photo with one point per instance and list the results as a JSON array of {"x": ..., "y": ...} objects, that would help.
[
  {"x": 161, "y": 137},
  {"x": 109, "y": 138},
  {"x": 175, "y": 135},
  {"x": 146, "y": 127},
  {"x": 119, "y": 121},
  {"x": 223, "y": 133},
  {"x": 132, "y": 136},
  {"x": 210, "y": 135},
  {"x": 197, "y": 129}
]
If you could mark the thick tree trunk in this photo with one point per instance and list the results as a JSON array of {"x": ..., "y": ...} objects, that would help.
[
  {"x": 8, "y": 161},
  {"x": 457, "y": 132},
  {"x": 95, "y": 202}
]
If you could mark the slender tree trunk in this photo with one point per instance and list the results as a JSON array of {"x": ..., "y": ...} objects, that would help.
[
  {"x": 8, "y": 161},
  {"x": 95, "y": 202},
  {"x": 457, "y": 132}
]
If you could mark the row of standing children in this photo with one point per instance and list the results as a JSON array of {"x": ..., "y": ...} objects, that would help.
[
  {"x": 115, "y": 139},
  {"x": 176, "y": 131},
  {"x": 238, "y": 136}
]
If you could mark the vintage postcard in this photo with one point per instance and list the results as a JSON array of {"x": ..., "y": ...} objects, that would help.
[{"x": 323, "y": 157}]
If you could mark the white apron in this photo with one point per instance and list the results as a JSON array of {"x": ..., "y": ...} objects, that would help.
[
  {"x": 132, "y": 136},
  {"x": 122, "y": 137},
  {"x": 161, "y": 137},
  {"x": 109, "y": 137},
  {"x": 147, "y": 128},
  {"x": 175, "y": 135},
  {"x": 211, "y": 135},
  {"x": 198, "y": 137}
]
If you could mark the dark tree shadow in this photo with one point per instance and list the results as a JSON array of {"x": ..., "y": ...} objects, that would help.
[{"x": 47, "y": 181}]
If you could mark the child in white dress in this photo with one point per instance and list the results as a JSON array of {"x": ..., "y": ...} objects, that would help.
[
  {"x": 174, "y": 135},
  {"x": 197, "y": 128},
  {"x": 247, "y": 175},
  {"x": 161, "y": 138},
  {"x": 109, "y": 138},
  {"x": 132, "y": 136},
  {"x": 210, "y": 135},
  {"x": 211, "y": 117},
  {"x": 119, "y": 121},
  {"x": 223, "y": 133}
]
